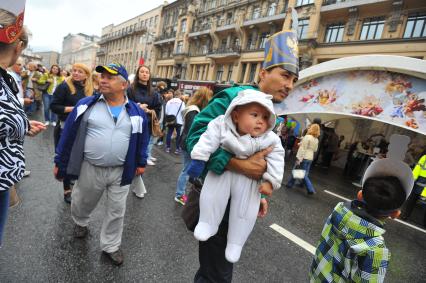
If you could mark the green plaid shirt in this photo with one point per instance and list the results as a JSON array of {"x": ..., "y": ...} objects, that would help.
[{"x": 351, "y": 249}]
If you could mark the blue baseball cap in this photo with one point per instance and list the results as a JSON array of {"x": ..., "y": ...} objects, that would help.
[{"x": 113, "y": 69}]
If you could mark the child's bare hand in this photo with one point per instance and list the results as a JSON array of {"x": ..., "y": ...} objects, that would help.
[{"x": 266, "y": 189}]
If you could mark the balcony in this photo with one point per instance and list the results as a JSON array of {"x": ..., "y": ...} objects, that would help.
[
  {"x": 179, "y": 56},
  {"x": 200, "y": 30},
  {"x": 254, "y": 49},
  {"x": 227, "y": 24},
  {"x": 225, "y": 52},
  {"x": 165, "y": 37},
  {"x": 101, "y": 52},
  {"x": 131, "y": 31},
  {"x": 265, "y": 15},
  {"x": 199, "y": 52},
  {"x": 331, "y": 5}
]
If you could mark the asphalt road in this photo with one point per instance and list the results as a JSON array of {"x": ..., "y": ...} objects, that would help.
[{"x": 39, "y": 247}]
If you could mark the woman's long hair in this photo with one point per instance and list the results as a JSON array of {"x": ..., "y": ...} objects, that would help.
[
  {"x": 201, "y": 97},
  {"x": 88, "y": 83},
  {"x": 136, "y": 80},
  {"x": 59, "y": 70},
  {"x": 314, "y": 130}
]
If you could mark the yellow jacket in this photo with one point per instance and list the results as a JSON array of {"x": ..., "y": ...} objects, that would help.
[{"x": 420, "y": 171}]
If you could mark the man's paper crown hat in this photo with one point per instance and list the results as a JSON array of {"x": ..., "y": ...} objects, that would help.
[
  {"x": 281, "y": 48},
  {"x": 9, "y": 33}
]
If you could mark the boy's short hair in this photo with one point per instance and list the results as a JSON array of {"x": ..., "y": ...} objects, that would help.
[{"x": 383, "y": 194}]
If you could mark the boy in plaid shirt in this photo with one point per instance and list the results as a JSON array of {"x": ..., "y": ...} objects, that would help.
[{"x": 352, "y": 247}]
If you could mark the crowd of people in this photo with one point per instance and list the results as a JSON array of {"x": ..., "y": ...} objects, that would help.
[{"x": 106, "y": 127}]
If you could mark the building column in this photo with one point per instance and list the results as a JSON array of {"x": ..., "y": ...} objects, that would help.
[
  {"x": 194, "y": 72},
  {"x": 256, "y": 76},
  {"x": 247, "y": 73}
]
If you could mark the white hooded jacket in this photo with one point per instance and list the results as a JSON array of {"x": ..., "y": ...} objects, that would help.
[{"x": 221, "y": 132}]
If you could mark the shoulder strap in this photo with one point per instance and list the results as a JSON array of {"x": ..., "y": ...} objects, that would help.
[{"x": 179, "y": 108}]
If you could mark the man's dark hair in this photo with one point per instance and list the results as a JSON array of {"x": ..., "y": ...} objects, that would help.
[
  {"x": 317, "y": 121},
  {"x": 383, "y": 193}
]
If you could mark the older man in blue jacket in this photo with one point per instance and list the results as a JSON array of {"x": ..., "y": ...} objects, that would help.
[{"x": 103, "y": 146}]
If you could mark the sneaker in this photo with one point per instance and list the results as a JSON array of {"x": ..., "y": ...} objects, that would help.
[
  {"x": 150, "y": 162},
  {"x": 177, "y": 151},
  {"x": 53, "y": 124},
  {"x": 180, "y": 200},
  {"x": 67, "y": 197},
  {"x": 139, "y": 195},
  {"x": 168, "y": 149},
  {"x": 46, "y": 123},
  {"x": 116, "y": 257},
  {"x": 27, "y": 173},
  {"x": 153, "y": 159},
  {"x": 160, "y": 143},
  {"x": 80, "y": 231},
  {"x": 185, "y": 198}
]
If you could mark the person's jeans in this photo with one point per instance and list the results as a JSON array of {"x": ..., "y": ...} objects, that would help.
[
  {"x": 305, "y": 165},
  {"x": 183, "y": 177},
  {"x": 150, "y": 145},
  {"x": 170, "y": 130},
  {"x": 49, "y": 116},
  {"x": 4, "y": 206}
]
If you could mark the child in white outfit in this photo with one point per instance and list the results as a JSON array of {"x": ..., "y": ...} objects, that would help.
[{"x": 245, "y": 129}]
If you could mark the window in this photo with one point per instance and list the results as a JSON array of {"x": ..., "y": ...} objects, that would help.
[
  {"x": 243, "y": 72},
  {"x": 263, "y": 39},
  {"x": 179, "y": 48},
  {"x": 223, "y": 44},
  {"x": 230, "y": 69},
  {"x": 219, "y": 73},
  {"x": 334, "y": 33},
  {"x": 183, "y": 26},
  {"x": 256, "y": 12},
  {"x": 197, "y": 75},
  {"x": 372, "y": 28},
  {"x": 253, "y": 67},
  {"x": 272, "y": 9},
  {"x": 302, "y": 30},
  {"x": 416, "y": 26},
  {"x": 304, "y": 2},
  {"x": 213, "y": 4},
  {"x": 156, "y": 20}
]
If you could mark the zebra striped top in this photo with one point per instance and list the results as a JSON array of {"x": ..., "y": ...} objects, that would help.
[{"x": 13, "y": 126}]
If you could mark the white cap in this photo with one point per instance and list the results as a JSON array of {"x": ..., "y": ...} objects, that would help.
[{"x": 391, "y": 167}]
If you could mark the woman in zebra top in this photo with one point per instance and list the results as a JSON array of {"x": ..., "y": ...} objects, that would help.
[{"x": 14, "y": 124}]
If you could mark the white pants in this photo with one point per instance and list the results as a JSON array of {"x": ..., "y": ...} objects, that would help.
[
  {"x": 88, "y": 190},
  {"x": 244, "y": 207}
]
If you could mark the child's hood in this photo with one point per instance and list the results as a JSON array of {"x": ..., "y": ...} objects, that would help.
[
  {"x": 248, "y": 96},
  {"x": 349, "y": 226}
]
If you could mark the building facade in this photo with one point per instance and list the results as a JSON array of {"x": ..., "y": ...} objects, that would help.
[
  {"x": 49, "y": 58},
  {"x": 223, "y": 40},
  {"x": 130, "y": 43},
  {"x": 79, "y": 48}
]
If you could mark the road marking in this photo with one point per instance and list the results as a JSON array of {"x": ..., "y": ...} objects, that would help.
[
  {"x": 397, "y": 220},
  {"x": 293, "y": 238}
]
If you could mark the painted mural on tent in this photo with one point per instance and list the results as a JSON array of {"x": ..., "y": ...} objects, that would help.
[{"x": 385, "y": 96}]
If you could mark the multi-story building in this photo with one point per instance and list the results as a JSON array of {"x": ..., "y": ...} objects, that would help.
[
  {"x": 223, "y": 40},
  {"x": 79, "y": 48},
  {"x": 49, "y": 58},
  {"x": 130, "y": 43}
]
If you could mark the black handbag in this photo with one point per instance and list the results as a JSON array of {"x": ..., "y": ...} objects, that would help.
[
  {"x": 171, "y": 119},
  {"x": 191, "y": 210}
]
